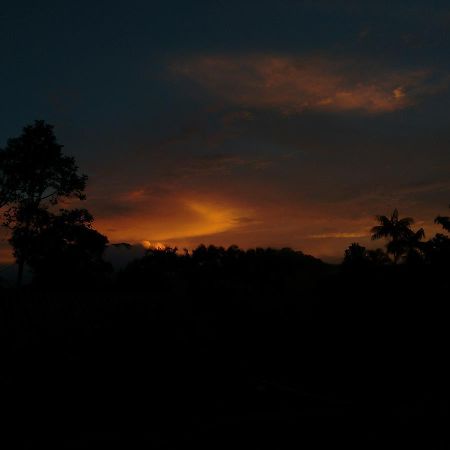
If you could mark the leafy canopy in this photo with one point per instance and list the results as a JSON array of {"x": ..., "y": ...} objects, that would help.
[{"x": 33, "y": 169}]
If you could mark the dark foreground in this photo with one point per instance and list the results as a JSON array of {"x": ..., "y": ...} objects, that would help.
[{"x": 356, "y": 360}]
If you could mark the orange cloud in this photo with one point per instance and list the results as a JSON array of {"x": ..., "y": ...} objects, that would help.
[
  {"x": 164, "y": 219},
  {"x": 292, "y": 85}
]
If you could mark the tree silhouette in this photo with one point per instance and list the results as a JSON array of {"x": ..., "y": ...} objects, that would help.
[
  {"x": 355, "y": 256},
  {"x": 34, "y": 174},
  {"x": 397, "y": 230},
  {"x": 437, "y": 250}
]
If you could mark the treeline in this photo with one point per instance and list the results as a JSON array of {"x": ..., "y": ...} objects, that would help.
[{"x": 211, "y": 268}]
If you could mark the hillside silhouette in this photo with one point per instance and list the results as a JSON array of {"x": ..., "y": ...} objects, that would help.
[{"x": 214, "y": 347}]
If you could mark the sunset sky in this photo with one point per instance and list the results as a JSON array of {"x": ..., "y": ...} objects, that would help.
[{"x": 256, "y": 123}]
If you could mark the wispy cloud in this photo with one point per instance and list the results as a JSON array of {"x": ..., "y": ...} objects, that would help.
[
  {"x": 293, "y": 84},
  {"x": 339, "y": 235}
]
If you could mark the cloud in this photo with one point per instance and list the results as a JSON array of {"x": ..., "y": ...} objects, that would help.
[
  {"x": 339, "y": 235},
  {"x": 294, "y": 84},
  {"x": 143, "y": 215},
  {"x": 244, "y": 220}
]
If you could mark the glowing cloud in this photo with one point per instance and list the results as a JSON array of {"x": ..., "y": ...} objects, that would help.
[
  {"x": 293, "y": 85},
  {"x": 155, "y": 222},
  {"x": 153, "y": 245}
]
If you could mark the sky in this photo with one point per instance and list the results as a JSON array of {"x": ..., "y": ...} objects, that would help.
[{"x": 256, "y": 123}]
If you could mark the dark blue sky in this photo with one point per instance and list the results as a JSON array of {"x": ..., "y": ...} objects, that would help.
[{"x": 256, "y": 123}]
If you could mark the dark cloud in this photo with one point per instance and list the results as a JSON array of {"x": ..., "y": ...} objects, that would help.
[{"x": 294, "y": 84}]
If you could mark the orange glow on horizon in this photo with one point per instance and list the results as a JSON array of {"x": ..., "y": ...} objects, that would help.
[{"x": 149, "y": 245}]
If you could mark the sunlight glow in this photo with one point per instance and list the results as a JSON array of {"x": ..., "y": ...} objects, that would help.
[
  {"x": 156, "y": 246},
  {"x": 180, "y": 219}
]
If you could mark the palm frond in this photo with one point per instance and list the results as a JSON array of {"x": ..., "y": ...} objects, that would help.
[
  {"x": 379, "y": 232},
  {"x": 419, "y": 234},
  {"x": 444, "y": 221},
  {"x": 394, "y": 216},
  {"x": 383, "y": 220}
]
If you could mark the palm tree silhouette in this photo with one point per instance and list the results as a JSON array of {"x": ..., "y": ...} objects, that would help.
[{"x": 397, "y": 230}]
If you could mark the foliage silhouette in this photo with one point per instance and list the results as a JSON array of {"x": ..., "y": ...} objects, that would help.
[
  {"x": 403, "y": 240},
  {"x": 62, "y": 248},
  {"x": 444, "y": 221},
  {"x": 34, "y": 174},
  {"x": 437, "y": 251},
  {"x": 378, "y": 257},
  {"x": 413, "y": 247},
  {"x": 356, "y": 256},
  {"x": 358, "y": 259}
]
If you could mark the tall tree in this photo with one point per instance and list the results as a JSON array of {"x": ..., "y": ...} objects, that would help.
[
  {"x": 34, "y": 174},
  {"x": 397, "y": 230}
]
